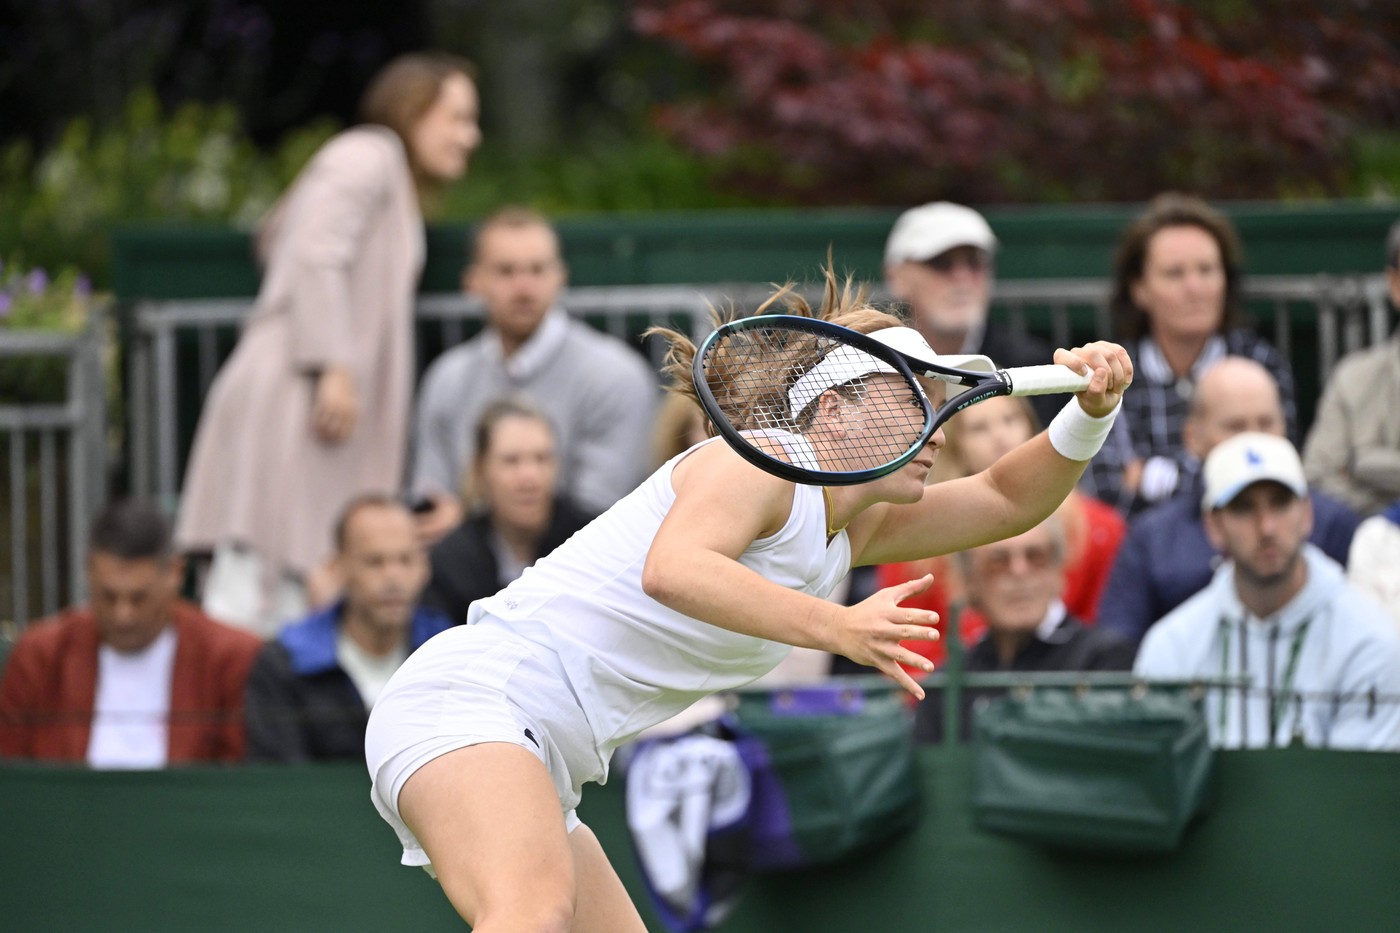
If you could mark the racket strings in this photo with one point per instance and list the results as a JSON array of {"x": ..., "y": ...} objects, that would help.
[{"x": 769, "y": 383}]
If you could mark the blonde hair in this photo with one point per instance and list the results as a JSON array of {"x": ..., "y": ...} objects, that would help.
[
  {"x": 843, "y": 302},
  {"x": 517, "y": 405}
]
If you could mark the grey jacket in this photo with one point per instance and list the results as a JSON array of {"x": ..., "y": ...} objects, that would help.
[{"x": 600, "y": 394}]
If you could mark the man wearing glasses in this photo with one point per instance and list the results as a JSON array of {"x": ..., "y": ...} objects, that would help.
[
  {"x": 939, "y": 262},
  {"x": 1016, "y": 585}
]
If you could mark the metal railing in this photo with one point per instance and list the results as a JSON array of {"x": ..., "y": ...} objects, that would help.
[
  {"x": 177, "y": 346},
  {"x": 52, "y": 469}
]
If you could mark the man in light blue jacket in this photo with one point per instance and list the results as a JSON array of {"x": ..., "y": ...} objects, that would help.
[{"x": 1320, "y": 660}]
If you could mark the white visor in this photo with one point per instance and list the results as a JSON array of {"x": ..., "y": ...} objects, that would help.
[{"x": 847, "y": 364}]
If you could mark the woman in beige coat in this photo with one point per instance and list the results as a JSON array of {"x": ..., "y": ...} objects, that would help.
[{"x": 312, "y": 407}]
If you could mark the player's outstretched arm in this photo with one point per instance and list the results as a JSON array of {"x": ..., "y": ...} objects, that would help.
[
  {"x": 1015, "y": 493},
  {"x": 723, "y": 505}
]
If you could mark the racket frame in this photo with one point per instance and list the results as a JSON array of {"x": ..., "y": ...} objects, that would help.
[{"x": 981, "y": 386}]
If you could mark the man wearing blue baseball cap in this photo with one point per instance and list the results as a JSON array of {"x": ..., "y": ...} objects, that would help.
[{"x": 1313, "y": 659}]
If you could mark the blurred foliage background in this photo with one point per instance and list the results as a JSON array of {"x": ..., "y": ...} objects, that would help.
[{"x": 124, "y": 111}]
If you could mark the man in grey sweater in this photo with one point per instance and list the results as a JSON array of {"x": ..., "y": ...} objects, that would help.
[{"x": 598, "y": 391}]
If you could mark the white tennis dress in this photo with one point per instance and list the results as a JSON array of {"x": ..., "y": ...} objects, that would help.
[{"x": 573, "y": 659}]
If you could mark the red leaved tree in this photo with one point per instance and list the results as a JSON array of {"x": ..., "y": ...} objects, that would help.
[{"x": 891, "y": 101}]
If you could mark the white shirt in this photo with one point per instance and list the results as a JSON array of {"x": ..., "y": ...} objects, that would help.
[
  {"x": 368, "y": 672},
  {"x": 131, "y": 709},
  {"x": 1322, "y": 668}
]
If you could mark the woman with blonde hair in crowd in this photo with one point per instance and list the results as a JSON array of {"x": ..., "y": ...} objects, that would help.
[
  {"x": 976, "y": 438},
  {"x": 312, "y": 408},
  {"x": 516, "y": 512}
]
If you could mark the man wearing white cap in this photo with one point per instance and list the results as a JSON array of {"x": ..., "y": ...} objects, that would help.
[
  {"x": 1319, "y": 660},
  {"x": 939, "y": 261}
]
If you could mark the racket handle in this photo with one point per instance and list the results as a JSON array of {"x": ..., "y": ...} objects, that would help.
[{"x": 1046, "y": 380}]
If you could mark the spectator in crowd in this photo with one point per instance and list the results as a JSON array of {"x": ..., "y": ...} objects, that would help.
[
  {"x": 597, "y": 391},
  {"x": 975, "y": 439},
  {"x": 939, "y": 260},
  {"x": 136, "y": 679},
  {"x": 313, "y": 406},
  {"x": 1016, "y": 585},
  {"x": 1166, "y": 556},
  {"x": 1176, "y": 305},
  {"x": 1353, "y": 448},
  {"x": 1374, "y": 566},
  {"x": 521, "y": 514},
  {"x": 1320, "y": 660},
  {"x": 311, "y": 688}
]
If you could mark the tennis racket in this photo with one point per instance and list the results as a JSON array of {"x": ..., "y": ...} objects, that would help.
[{"x": 821, "y": 404}]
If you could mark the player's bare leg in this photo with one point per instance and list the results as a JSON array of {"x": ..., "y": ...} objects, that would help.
[
  {"x": 489, "y": 819},
  {"x": 603, "y": 905}
]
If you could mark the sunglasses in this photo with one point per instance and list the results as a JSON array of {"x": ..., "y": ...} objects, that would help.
[{"x": 975, "y": 260}]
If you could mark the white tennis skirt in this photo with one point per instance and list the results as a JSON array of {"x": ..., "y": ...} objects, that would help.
[{"x": 469, "y": 685}]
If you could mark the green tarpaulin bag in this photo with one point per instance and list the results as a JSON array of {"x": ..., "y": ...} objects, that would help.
[
  {"x": 834, "y": 771},
  {"x": 1107, "y": 770}
]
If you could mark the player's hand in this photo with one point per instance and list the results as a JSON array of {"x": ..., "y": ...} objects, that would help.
[
  {"x": 1111, "y": 369},
  {"x": 873, "y": 629},
  {"x": 336, "y": 407}
]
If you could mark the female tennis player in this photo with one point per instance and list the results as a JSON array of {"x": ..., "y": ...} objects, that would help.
[{"x": 696, "y": 582}]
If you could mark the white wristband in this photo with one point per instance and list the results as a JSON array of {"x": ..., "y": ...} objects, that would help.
[{"x": 1077, "y": 435}]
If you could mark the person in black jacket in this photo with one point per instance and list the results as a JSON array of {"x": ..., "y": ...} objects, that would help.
[
  {"x": 311, "y": 687},
  {"x": 520, "y": 517},
  {"x": 1016, "y": 585}
]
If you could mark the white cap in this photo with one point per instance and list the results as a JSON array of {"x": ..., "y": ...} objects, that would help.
[
  {"x": 1246, "y": 459},
  {"x": 846, "y": 364},
  {"x": 924, "y": 232}
]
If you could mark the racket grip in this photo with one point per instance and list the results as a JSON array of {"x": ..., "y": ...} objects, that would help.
[{"x": 1046, "y": 380}]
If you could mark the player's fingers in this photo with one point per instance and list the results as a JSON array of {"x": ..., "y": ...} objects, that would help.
[
  {"x": 913, "y": 659},
  {"x": 902, "y": 591},
  {"x": 918, "y": 630},
  {"x": 899, "y": 676},
  {"x": 1120, "y": 366},
  {"x": 1073, "y": 360}
]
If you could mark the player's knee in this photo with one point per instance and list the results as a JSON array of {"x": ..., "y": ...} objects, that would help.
[
  {"x": 545, "y": 914},
  {"x": 545, "y": 908}
]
